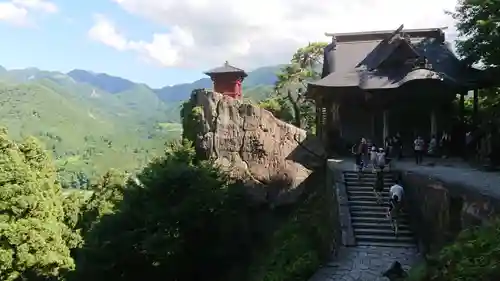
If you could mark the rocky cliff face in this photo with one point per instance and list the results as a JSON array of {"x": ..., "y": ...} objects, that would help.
[{"x": 272, "y": 157}]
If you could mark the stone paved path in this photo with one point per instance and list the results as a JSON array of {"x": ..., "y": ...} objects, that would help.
[{"x": 365, "y": 263}]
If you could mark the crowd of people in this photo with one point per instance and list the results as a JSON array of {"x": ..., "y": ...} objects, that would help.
[
  {"x": 369, "y": 154},
  {"x": 378, "y": 159}
]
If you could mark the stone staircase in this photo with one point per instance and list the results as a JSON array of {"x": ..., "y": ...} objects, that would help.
[{"x": 370, "y": 225}]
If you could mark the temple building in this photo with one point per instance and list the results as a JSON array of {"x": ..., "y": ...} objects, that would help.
[
  {"x": 375, "y": 84},
  {"x": 227, "y": 80}
]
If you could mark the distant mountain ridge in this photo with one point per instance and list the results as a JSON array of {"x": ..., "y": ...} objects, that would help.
[
  {"x": 121, "y": 97},
  {"x": 108, "y": 83},
  {"x": 263, "y": 76}
]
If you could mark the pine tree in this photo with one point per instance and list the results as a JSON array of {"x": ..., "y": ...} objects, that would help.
[{"x": 36, "y": 242}]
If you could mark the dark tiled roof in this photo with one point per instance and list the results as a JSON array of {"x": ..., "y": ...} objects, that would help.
[
  {"x": 354, "y": 63},
  {"x": 226, "y": 68},
  {"x": 379, "y": 35}
]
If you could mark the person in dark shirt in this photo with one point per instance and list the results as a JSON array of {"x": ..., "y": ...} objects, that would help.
[
  {"x": 388, "y": 146},
  {"x": 363, "y": 151},
  {"x": 379, "y": 185},
  {"x": 395, "y": 272},
  {"x": 358, "y": 160},
  {"x": 398, "y": 146}
]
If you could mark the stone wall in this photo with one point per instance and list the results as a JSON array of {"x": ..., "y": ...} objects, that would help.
[{"x": 440, "y": 210}]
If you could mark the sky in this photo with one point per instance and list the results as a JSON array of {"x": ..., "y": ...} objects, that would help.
[{"x": 166, "y": 42}]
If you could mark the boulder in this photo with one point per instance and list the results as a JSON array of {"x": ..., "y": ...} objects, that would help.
[{"x": 272, "y": 157}]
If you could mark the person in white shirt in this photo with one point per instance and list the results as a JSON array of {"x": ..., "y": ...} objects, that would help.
[
  {"x": 373, "y": 157},
  {"x": 418, "y": 146},
  {"x": 396, "y": 195},
  {"x": 432, "y": 150},
  {"x": 380, "y": 159}
]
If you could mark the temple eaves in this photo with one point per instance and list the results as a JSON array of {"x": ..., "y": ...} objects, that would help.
[
  {"x": 375, "y": 32},
  {"x": 436, "y": 32}
]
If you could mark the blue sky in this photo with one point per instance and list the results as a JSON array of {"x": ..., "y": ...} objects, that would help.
[
  {"x": 165, "y": 42},
  {"x": 60, "y": 42}
]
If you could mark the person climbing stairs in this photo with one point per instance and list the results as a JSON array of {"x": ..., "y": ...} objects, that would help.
[{"x": 369, "y": 219}]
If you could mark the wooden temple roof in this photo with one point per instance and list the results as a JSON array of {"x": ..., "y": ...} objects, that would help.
[
  {"x": 386, "y": 60},
  {"x": 226, "y": 68}
]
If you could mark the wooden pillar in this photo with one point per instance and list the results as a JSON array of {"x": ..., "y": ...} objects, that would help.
[
  {"x": 461, "y": 131},
  {"x": 333, "y": 128},
  {"x": 386, "y": 125},
  {"x": 327, "y": 133},
  {"x": 475, "y": 108},
  {"x": 433, "y": 123},
  {"x": 319, "y": 117},
  {"x": 336, "y": 125},
  {"x": 373, "y": 120}
]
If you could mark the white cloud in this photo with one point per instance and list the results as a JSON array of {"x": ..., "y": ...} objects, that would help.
[
  {"x": 18, "y": 12},
  {"x": 13, "y": 14},
  {"x": 105, "y": 32},
  {"x": 38, "y": 5},
  {"x": 251, "y": 33}
]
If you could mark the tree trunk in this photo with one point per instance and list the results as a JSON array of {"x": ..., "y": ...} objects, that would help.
[{"x": 297, "y": 116}]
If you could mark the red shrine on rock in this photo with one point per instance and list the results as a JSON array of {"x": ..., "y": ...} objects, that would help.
[{"x": 227, "y": 80}]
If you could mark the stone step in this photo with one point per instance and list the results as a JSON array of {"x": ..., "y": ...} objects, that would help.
[
  {"x": 382, "y": 232},
  {"x": 385, "y": 199},
  {"x": 369, "y": 203},
  {"x": 387, "y": 184},
  {"x": 367, "y": 198},
  {"x": 382, "y": 215},
  {"x": 367, "y": 176},
  {"x": 366, "y": 188},
  {"x": 376, "y": 224},
  {"x": 410, "y": 246},
  {"x": 376, "y": 208},
  {"x": 365, "y": 193},
  {"x": 383, "y": 238},
  {"x": 378, "y": 220}
]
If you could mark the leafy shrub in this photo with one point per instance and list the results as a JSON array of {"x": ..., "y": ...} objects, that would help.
[
  {"x": 475, "y": 255},
  {"x": 299, "y": 246},
  {"x": 190, "y": 116},
  {"x": 186, "y": 221}
]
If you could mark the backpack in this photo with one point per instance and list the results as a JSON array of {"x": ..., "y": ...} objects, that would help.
[{"x": 380, "y": 159}]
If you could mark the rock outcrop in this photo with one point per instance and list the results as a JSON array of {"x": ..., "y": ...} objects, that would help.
[{"x": 272, "y": 157}]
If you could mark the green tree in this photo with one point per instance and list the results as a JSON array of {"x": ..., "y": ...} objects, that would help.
[
  {"x": 478, "y": 25},
  {"x": 279, "y": 107},
  {"x": 479, "y": 31},
  {"x": 36, "y": 241},
  {"x": 475, "y": 255},
  {"x": 107, "y": 193},
  {"x": 185, "y": 221},
  {"x": 293, "y": 78}
]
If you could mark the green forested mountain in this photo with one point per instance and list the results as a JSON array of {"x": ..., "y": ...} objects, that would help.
[
  {"x": 88, "y": 130},
  {"x": 93, "y": 122}
]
